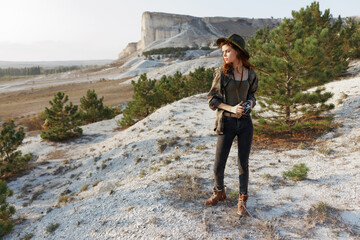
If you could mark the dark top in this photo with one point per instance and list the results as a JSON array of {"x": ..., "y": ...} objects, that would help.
[{"x": 231, "y": 91}]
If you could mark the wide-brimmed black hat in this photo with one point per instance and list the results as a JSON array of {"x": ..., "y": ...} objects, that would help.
[{"x": 237, "y": 41}]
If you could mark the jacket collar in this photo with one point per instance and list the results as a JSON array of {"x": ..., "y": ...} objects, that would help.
[{"x": 229, "y": 77}]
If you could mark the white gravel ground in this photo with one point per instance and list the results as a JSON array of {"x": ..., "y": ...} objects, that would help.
[{"x": 120, "y": 186}]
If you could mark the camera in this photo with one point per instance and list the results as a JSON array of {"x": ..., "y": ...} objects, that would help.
[{"x": 247, "y": 107}]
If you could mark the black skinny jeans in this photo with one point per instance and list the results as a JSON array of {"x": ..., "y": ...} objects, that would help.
[{"x": 243, "y": 128}]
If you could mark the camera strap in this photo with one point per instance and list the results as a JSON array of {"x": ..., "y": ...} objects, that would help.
[{"x": 238, "y": 89}]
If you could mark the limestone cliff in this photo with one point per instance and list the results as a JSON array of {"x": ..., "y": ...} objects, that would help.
[{"x": 160, "y": 30}]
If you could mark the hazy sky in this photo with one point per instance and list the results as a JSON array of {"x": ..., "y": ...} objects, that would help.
[{"x": 47, "y": 30}]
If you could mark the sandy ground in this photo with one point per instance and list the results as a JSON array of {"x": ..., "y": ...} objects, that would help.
[{"x": 122, "y": 185}]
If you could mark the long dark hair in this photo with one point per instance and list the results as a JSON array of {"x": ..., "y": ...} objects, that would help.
[{"x": 245, "y": 61}]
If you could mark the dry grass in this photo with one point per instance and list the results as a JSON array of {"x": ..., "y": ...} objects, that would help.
[
  {"x": 142, "y": 173},
  {"x": 32, "y": 123},
  {"x": 325, "y": 151},
  {"x": 322, "y": 213},
  {"x": 268, "y": 229},
  {"x": 185, "y": 187},
  {"x": 342, "y": 98},
  {"x": 27, "y": 104},
  {"x": 36, "y": 194},
  {"x": 57, "y": 154},
  {"x": 97, "y": 182},
  {"x": 201, "y": 147},
  {"x": 84, "y": 187},
  {"x": 292, "y": 140},
  {"x": 65, "y": 199}
]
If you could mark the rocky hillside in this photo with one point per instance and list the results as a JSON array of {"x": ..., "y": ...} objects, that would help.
[
  {"x": 159, "y": 30},
  {"x": 150, "y": 181}
]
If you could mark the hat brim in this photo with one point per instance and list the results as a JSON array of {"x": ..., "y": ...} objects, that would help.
[{"x": 223, "y": 39}]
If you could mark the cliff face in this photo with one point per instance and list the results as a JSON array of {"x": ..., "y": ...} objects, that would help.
[
  {"x": 160, "y": 30},
  {"x": 159, "y": 26}
]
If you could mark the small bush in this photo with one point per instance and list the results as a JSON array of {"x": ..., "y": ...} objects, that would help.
[
  {"x": 92, "y": 109},
  {"x": 52, "y": 227},
  {"x": 322, "y": 213},
  {"x": 325, "y": 151},
  {"x": 62, "y": 122},
  {"x": 6, "y": 211},
  {"x": 12, "y": 161},
  {"x": 27, "y": 236},
  {"x": 298, "y": 172}
]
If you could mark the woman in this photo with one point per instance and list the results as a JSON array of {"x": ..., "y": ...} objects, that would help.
[{"x": 232, "y": 95}]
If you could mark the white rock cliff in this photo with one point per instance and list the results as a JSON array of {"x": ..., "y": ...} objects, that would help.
[{"x": 160, "y": 30}]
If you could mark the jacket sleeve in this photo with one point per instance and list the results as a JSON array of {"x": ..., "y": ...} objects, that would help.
[
  {"x": 214, "y": 97},
  {"x": 253, "y": 88}
]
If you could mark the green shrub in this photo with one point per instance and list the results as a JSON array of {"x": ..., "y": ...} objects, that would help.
[
  {"x": 298, "y": 172},
  {"x": 27, "y": 236},
  {"x": 146, "y": 100},
  {"x": 304, "y": 52},
  {"x": 168, "y": 51},
  {"x": 62, "y": 122},
  {"x": 151, "y": 94},
  {"x": 12, "y": 161},
  {"x": 351, "y": 36},
  {"x": 52, "y": 227},
  {"x": 92, "y": 109},
  {"x": 6, "y": 211}
]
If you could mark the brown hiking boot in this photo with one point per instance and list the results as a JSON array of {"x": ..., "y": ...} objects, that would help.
[
  {"x": 242, "y": 211},
  {"x": 216, "y": 197}
]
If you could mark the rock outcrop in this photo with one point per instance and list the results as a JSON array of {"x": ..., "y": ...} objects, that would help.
[
  {"x": 130, "y": 48},
  {"x": 160, "y": 30}
]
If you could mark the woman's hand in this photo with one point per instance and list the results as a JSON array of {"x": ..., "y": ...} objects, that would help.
[{"x": 238, "y": 109}]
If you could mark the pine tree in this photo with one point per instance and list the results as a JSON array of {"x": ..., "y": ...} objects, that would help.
[
  {"x": 351, "y": 35},
  {"x": 146, "y": 100},
  {"x": 62, "y": 121},
  {"x": 6, "y": 211},
  {"x": 12, "y": 161},
  {"x": 150, "y": 94},
  {"x": 92, "y": 109},
  {"x": 171, "y": 88},
  {"x": 302, "y": 53},
  {"x": 199, "y": 81}
]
